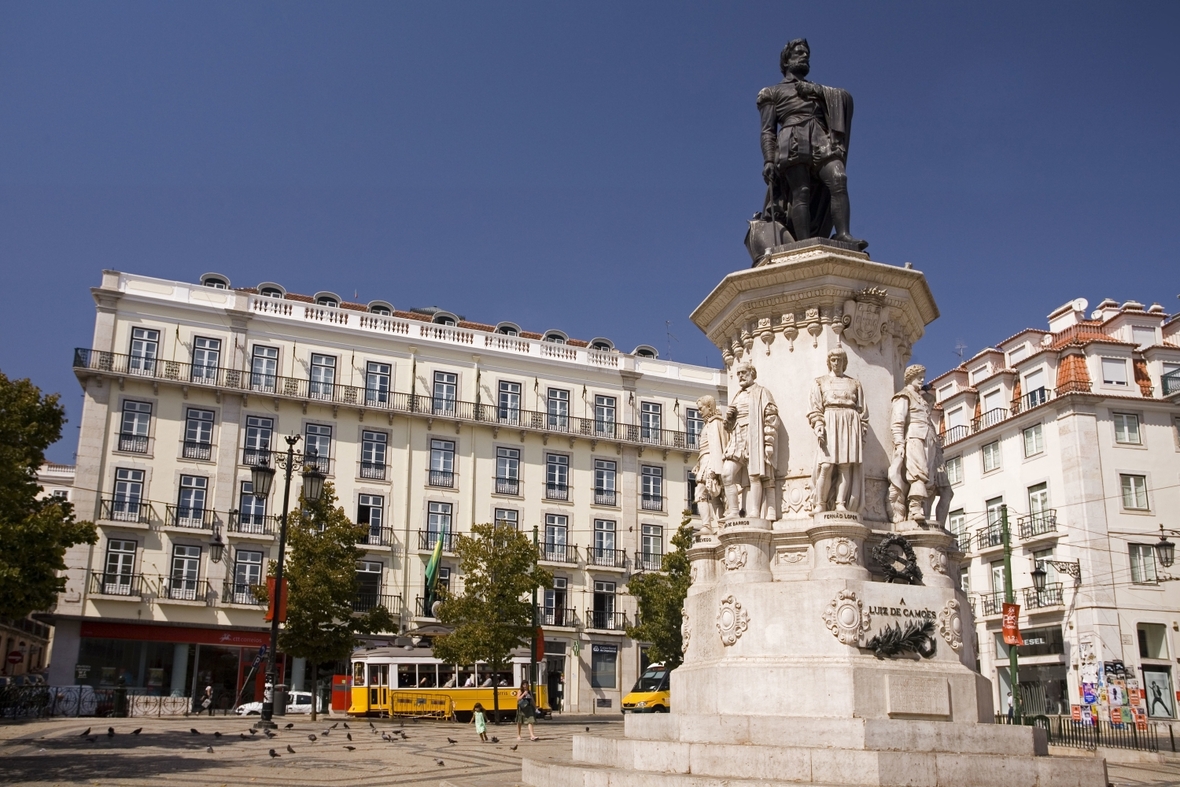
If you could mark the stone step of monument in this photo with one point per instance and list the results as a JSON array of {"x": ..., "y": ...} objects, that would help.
[
  {"x": 793, "y": 764},
  {"x": 549, "y": 774}
]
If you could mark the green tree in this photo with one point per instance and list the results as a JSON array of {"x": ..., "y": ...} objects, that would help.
[
  {"x": 322, "y": 586},
  {"x": 661, "y": 600},
  {"x": 494, "y": 614},
  {"x": 34, "y": 534}
]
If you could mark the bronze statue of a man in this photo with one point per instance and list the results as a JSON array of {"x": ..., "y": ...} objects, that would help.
[{"x": 805, "y": 130}]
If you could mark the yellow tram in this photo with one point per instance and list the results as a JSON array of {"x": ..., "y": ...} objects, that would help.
[{"x": 393, "y": 681}]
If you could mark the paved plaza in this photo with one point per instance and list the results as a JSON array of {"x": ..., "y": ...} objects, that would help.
[{"x": 54, "y": 752}]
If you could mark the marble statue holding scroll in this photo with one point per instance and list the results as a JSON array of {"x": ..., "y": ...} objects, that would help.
[
  {"x": 710, "y": 466},
  {"x": 751, "y": 421},
  {"x": 917, "y": 454},
  {"x": 840, "y": 419}
]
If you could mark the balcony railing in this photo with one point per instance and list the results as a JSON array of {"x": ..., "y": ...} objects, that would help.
[
  {"x": 377, "y": 537},
  {"x": 605, "y": 497},
  {"x": 428, "y": 538},
  {"x": 992, "y": 603},
  {"x": 239, "y": 593},
  {"x": 1033, "y": 398},
  {"x": 419, "y": 608},
  {"x": 1171, "y": 382},
  {"x": 559, "y": 553},
  {"x": 182, "y": 589},
  {"x": 1038, "y": 524},
  {"x": 990, "y": 418},
  {"x": 557, "y": 616},
  {"x": 650, "y": 502},
  {"x": 990, "y": 536},
  {"x": 133, "y": 510},
  {"x": 367, "y": 601},
  {"x": 116, "y": 584},
  {"x": 606, "y": 621},
  {"x": 555, "y": 491},
  {"x": 374, "y": 471},
  {"x": 607, "y": 558},
  {"x": 253, "y": 524},
  {"x": 360, "y": 397},
  {"x": 962, "y": 541},
  {"x": 134, "y": 443},
  {"x": 194, "y": 449},
  {"x": 254, "y": 457},
  {"x": 507, "y": 486},
  {"x": 1051, "y": 596},
  {"x": 955, "y": 433},
  {"x": 648, "y": 561},
  {"x": 440, "y": 478},
  {"x": 189, "y": 517}
]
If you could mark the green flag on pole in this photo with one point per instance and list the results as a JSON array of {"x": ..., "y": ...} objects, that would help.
[{"x": 432, "y": 576}]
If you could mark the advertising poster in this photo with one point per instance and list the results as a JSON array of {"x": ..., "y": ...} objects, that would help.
[
  {"x": 1075, "y": 711},
  {"x": 1089, "y": 693},
  {"x": 1011, "y": 625},
  {"x": 1157, "y": 689}
]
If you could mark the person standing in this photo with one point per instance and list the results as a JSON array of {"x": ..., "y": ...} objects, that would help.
[
  {"x": 526, "y": 710},
  {"x": 207, "y": 700},
  {"x": 480, "y": 721}
]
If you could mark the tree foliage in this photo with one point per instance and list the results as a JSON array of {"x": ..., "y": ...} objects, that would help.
[
  {"x": 661, "y": 600},
  {"x": 493, "y": 616},
  {"x": 34, "y": 534}
]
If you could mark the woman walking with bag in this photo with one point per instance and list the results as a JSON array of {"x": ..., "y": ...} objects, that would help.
[{"x": 526, "y": 710}]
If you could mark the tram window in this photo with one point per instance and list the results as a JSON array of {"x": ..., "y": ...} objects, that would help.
[
  {"x": 378, "y": 674},
  {"x": 446, "y": 676},
  {"x": 467, "y": 679},
  {"x": 427, "y": 676},
  {"x": 358, "y": 674},
  {"x": 407, "y": 677}
]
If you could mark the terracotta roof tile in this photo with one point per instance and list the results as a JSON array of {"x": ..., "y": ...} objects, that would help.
[
  {"x": 1142, "y": 378},
  {"x": 1072, "y": 374}
]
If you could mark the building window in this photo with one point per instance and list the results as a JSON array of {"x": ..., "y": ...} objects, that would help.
[
  {"x": 693, "y": 426},
  {"x": 1034, "y": 441},
  {"x": 1114, "y": 371},
  {"x": 995, "y": 513},
  {"x": 373, "y": 445},
  {"x": 446, "y": 389},
  {"x": 247, "y": 576},
  {"x": 652, "y": 488},
  {"x": 603, "y": 613},
  {"x": 384, "y": 311},
  {"x": 120, "y": 565},
  {"x": 271, "y": 292},
  {"x": 133, "y": 434},
  {"x": 186, "y": 569},
  {"x": 1153, "y": 640},
  {"x": 956, "y": 523},
  {"x": 652, "y": 546},
  {"x": 650, "y": 416},
  {"x": 558, "y": 402},
  {"x": 1034, "y": 389},
  {"x": 997, "y": 577},
  {"x": 604, "y": 666},
  {"x": 557, "y": 472},
  {"x": 991, "y": 456},
  {"x": 190, "y": 504},
  {"x": 554, "y": 338},
  {"x": 442, "y": 463},
  {"x": 556, "y": 613},
  {"x": 507, "y": 471},
  {"x": 61, "y": 494},
  {"x": 438, "y": 523},
  {"x": 1126, "y": 428},
  {"x": 251, "y": 510},
  {"x": 370, "y": 511},
  {"x": 556, "y": 530},
  {"x": 1017, "y": 353},
  {"x": 206, "y": 358},
  {"x": 258, "y": 433},
  {"x": 216, "y": 282},
  {"x": 690, "y": 488},
  {"x": 323, "y": 376},
  {"x": 604, "y": 415},
  {"x": 1038, "y": 501},
  {"x": 1142, "y": 564},
  {"x": 128, "y": 495},
  {"x": 368, "y": 584},
  {"x": 1134, "y": 488},
  {"x": 605, "y": 473},
  {"x": 377, "y": 383},
  {"x": 509, "y": 402},
  {"x": 317, "y": 446},
  {"x": 604, "y": 540},
  {"x": 325, "y": 300},
  {"x": 954, "y": 469},
  {"x": 198, "y": 434},
  {"x": 145, "y": 347},
  {"x": 509, "y": 517},
  {"x": 1142, "y": 335},
  {"x": 965, "y": 579},
  {"x": 264, "y": 366}
]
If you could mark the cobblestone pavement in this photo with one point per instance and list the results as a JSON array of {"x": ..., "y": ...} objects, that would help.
[{"x": 53, "y": 752}]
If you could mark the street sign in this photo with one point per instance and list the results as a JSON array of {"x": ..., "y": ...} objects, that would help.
[{"x": 16, "y": 657}]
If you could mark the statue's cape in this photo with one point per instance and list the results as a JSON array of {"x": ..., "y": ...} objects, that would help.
[{"x": 839, "y": 109}]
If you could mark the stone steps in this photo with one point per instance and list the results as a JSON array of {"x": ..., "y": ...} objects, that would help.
[{"x": 547, "y": 774}]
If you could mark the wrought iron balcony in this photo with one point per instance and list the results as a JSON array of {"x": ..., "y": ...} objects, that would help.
[
  {"x": 377, "y": 537},
  {"x": 1037, "y": 524},
  {"x": 444, "y": 479},
  {"x": 419, "y": 608},
  {"x": 650, "y": 502},
  {"x": 607, "y": 558},
  {"x": 557, "y": 616},
  {"x": 606, "y": 621},
  {"x": 116, "y": 584},
  {"x": 992, "y": 603},
  {"x": 129, "y": 510},
  {"x": 189, "y": 517},
  {"x": 375, "y": 471},
  {"x": 558, "y": 553},
  {"x": 605, "y": 497},
  {"x": 648, "y": 561},
  {"x": 1033, "y": 398},
  {"x": 955, "y": 433},
  {"x": 134, "y": 443},
  {"x": 367, "y": 601},
  {"x": 554, "y": 491},
  {"x": 254, "y": 457},
  {"x": 507, "y": 486},
  {"x": 428, "y": 538},
  {"x": 1051, "y": 596},
  {"x": 990, "y": 418},
  {"x": 183, "y": 589},
  {"x": 240, "y": 593},
  {"x": 990, "y": 536},
  {"x": 1171, "y": 382},
  {"x": 194, "y": 449},
  {"x": 253, "y": 524}
]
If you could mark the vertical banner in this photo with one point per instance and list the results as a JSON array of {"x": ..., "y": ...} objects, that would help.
[
  {"x": 1011, "y": 626},
  {"x": 270, "y": 605}
]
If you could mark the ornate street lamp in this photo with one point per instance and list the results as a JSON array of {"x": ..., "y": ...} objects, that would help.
[
  {"x": 216, "y": 545},
  {"x": 262, "y": 477},
  {"x": 1038, "y": 575},
  {"x": 1165, "y": 550},
  {"x": 1074, "y": 569}
]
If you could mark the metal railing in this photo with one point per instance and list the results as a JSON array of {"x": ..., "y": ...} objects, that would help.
[
  {"x": 990, "y": 418},
  {"x": 427, "y": 539},
  {"x": 182, "y": 589},
  {"x": 374, "y": 471},
  {"x": 25, "y": 702},
  {"x": 377, "y": 537},
  {"x": 1171, "y": 382},
  {"x": 367, "y": 602},
  {"x": 955, "y": 433},
  {"x": 253, "y": 524},
  {"x": 507, "y": 486},
  {"x": 116, "y": 584},
  {"x": 1051, "y": 596},
  {"x": 558, "y": 553},
  {"x": 419, "y": 608},
  {"x": 134, "y": 443},
  {"x": 1151, "y": 736},
  {"x": 1033, "y": 398},
  {"x": 194, "y": 449},
  {"x": 648, "y": 561},
  {"x": 605, "y": 497},
  {"x": 441, "y": 478},
  {"x": 239, "y": 593},
  {"x": 134, "y": 510},
  {"x": 606, "y": 621},
  {"x": 649, "y": 502},
  {"x": 991, "y": 603},
  {"x": 1038, "y": 524},
  {"x": 189, "y": 517},
  {"x": 358, "y": 396},
  {"x": 557, "y": 616},
  {"x": 253, "y": 457},
  {"x": 555, "y": 491},
  {"x": 990, "y": 536},
  {"x": 608, "y": 558}
]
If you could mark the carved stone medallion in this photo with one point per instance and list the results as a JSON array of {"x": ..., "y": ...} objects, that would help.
[
  {"x": 847, "y": 618},
  {"x": 735, "y": 557},
  {"x": 938, "y": 561},
  {"x": 732, "y": 620},
  {"x": 795, "y": 556},
  {"x": 950, "y": 624},
  {"x": 842, "y": 550},
  {"x": 868, "y": 314},
  {"x": 685, "y": 634}
]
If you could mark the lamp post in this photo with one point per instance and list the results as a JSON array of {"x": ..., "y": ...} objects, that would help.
[
  {"x": 1010, "y": 598},
  {"x": 1165, "y": 550},
  {"x": 1039, "y": 574},
  {"x": 262, "y": 476}
]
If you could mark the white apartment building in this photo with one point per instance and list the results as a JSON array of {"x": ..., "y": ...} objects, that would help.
[
  {"x": 425, "y": 423},
  {"x": 1076, "y": 430}
]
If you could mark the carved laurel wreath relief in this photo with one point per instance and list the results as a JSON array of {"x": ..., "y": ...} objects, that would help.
[
  {"x": 841, "y": 550},
  {"x": 950, "y": 624},
  {"x": 732, "y": 620},
  {"x": 735, "y": 557},
  {"x": 847, "y": 618}
]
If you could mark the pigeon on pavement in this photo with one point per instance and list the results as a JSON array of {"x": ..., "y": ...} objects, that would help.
[
  {"x": 288, "y": 725},
  {"x": 84, "y": 734},
  {"x": 274, "y": 753},
  {"x": 194, "y": 731},
  {"x": 253, "y": 731},
  {"x": 209, "y": 749},
  {"x": 440, "y": 762},
  {"x": 349, "y": 734},
  {"x": 268, "y": 733},
  {"x": 334, "y": 726},
  {"x": 346, "y": 726},
  {"x": 289, "y": 749},
  {"x": 350, "y": 748},
  {"x": 452, "y": 741},
  {"x": 216, "y": 734},
  {"x": 137, "y": 730},
  {"x": 514, "y": 746},
  {"x": 495, "y": 739},
  {"x": 110, "y": 732},
  {"x": 243, "y": 736}
]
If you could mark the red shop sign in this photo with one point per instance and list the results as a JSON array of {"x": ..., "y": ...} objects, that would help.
[
  {"x": 1011, "y": 626},
  {"x": 206, "y": 636}
]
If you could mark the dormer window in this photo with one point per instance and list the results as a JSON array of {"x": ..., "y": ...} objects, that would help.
[
  {"x": 325, "y": 301},
  {"x": 1017, "y": 354},
  {"x": 645, "y": 351},
  {"x": 1143, "y": 335},
  {"x": 444, "y": 320},
  {"x": 555, "y": 337},
  {"x": 379, "y": 309},
  {"x": 508, "y": 329},
  {"x": 602, "y": 345},
  {"x": 215, "y": 280},
  {"x": 268, "y": 289}
]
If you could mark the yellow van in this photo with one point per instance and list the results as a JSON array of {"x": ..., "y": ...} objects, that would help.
[{"x": 650, "y": 694}]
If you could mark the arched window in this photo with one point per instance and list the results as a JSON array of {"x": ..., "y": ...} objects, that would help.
[
  {"x": 645, "y": 351},
  {"x": 508, "y": 329},
  {"x": 602, "y": 345},
  {"x": 268, "y": 289},
  {"x": 381, "y": 307},
  {"x": 444, "y": 318},
  {"x": 215, "y": 280},
  {"x": 329, "y": 299},
  {"x": 555, "y": 337}
]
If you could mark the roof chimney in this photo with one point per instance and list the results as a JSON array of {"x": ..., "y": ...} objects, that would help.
[{"x": 1068, "y": 315}]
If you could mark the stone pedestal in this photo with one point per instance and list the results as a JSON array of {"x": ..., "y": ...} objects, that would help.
[{"x": 802, "y": 665}]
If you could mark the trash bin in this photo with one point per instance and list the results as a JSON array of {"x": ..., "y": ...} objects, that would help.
[
  {"x": 280, "y": 700},
  {"x": 120, "y": 710}
]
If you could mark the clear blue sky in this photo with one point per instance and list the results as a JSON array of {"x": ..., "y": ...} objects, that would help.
[{"x": 587, "y": 167}]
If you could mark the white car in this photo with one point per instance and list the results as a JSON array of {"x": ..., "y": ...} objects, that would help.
[{"x": 297, "y": 702}]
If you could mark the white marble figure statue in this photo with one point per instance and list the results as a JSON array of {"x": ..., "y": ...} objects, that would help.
[
  {"x": 916, "y": 452},
  {"x": 752, "y": 422},
  {"x": 710, "y": 494},
  {"x": 840, "y": 419},
  {"x": 940, "y": 482}
]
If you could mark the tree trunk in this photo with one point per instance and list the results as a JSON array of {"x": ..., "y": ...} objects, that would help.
[
  {"x": 315, "y": 698},
  {"x": 496, "y": 693}
]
